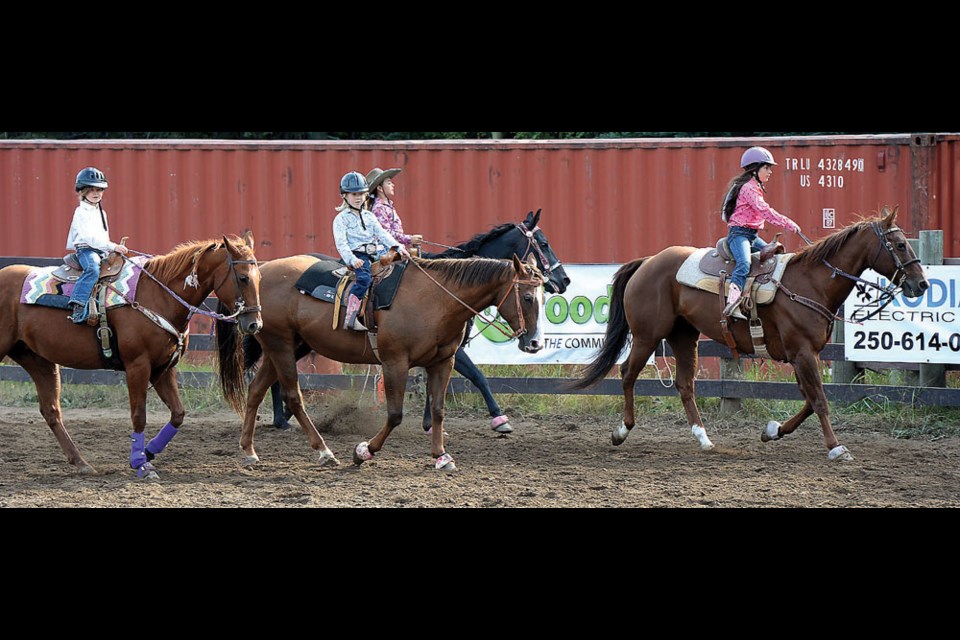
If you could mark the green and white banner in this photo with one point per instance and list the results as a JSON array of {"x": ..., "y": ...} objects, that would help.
[{"x": 573, "y": 324}]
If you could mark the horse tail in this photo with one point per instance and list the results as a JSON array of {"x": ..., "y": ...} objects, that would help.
[
  {"x": 230, "y": 360},
  {"x": 617, "y": 330},
  {"x": 251, "y": 353}
]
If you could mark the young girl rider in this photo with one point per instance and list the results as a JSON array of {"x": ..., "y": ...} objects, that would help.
[
  {"x": 358, "y": 234},
  {"x": 745, "y": 210}
]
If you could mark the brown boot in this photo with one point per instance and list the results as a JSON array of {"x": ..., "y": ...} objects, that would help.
[
  {"x": 734, "y": 300},
  {"x": 353, "y": 309}
]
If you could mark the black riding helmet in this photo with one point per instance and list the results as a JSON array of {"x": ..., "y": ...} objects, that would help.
[{"x": 91, "y": 177}]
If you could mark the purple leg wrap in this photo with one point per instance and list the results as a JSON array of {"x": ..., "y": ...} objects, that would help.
[
  {"x": 162, "y": 439},
  {"x": 137, "y": 457}
]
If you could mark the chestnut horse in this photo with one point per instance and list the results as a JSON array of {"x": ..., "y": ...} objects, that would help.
[
  {"x": 522, "y": 239},
  {"x": 149, "y": 336},
  {"x": 423, "y": 328},
  {"x": 649, "y": 303}
]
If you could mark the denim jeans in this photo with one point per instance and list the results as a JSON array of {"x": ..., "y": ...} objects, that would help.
[
  {"x": 743, "y": 241},
  {"x": 364, "y": 277},
  {"x": 90, "y": 261}
]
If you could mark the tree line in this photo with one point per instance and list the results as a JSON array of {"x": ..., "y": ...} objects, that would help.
[{"x": 382, "y": 135}]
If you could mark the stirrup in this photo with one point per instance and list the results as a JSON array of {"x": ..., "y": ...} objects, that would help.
[{"x": 733, "y": 310}]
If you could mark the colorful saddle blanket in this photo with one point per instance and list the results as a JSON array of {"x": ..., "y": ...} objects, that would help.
[{"x": 41, "y": 287}]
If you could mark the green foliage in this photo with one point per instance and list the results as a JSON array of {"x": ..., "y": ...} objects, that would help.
[{"x": 380, "y": 135}]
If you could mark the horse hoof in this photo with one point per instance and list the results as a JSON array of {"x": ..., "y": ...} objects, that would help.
[
  {"x": 362, "y": 453},
  {"x": 771, "y": 432},
  {"x": 501, "y": 424},
  {"x": 327, "y": 459},
  {"x": 840, "y": 454},
  {"x": 446, "y": 463},
  {"x": 250, "y": 461},
  {"x": 282, "y": 426},
  {"x": 87, "y": 470},
  {"x": 146, "y": 473},
  {"x": 701, "y": 435},
  {"x": 619, "y": 435}
]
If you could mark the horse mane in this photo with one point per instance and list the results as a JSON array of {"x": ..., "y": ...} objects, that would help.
[
  {"x": 473, "y": 245},
  {"x": 468, "y": 272},
  {"x": 182, "y": 258},
  {"x": 830, "y": 246}
]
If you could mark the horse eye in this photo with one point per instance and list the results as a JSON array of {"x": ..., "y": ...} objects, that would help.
[
  {"x": 902, "y": 246},
  {"x": 244, "y": 279}
]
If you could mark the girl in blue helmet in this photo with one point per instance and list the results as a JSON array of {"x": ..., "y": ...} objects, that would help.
[
  {"x": 358, "y": 235},
  {"x": 89, "y": 236},
  {"x": 745, "y": 211}
]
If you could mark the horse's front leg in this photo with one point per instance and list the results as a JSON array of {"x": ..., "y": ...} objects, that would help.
[
  {"x": 394, "y": 385},
  {"x": 166, "y": 387},
  {"x": 465, "y": 367},
  {"x": 807, "y": 368},
  {"x": 138, "y": 379},
  {"x": 438, "y": 378}
]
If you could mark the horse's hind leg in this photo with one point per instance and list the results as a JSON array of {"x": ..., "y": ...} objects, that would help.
[
  {"x": 46, "y": 377},
  {"x": 684, "y": 341},
  {"x": 629, "y": 372},
  {"x": 464, "y": 366}
]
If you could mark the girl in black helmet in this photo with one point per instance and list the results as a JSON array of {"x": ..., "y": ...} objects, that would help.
[
  {"x": 90, "y": 237},
  {"x": 359, "y": 235}
]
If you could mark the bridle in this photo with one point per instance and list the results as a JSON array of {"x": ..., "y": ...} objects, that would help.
[
  {"x": 887, "y": 294},
  {"x": 241, "y": 304},
  {"x": 890, "y": 292},
  {"x": 533, "y": 245}
]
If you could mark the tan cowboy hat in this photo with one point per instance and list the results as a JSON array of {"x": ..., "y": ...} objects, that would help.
[{"x": 378, "y": 175}]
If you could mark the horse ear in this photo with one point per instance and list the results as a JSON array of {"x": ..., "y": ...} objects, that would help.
[
  {"x": 517, "y": 264},
  {"x": 536, "y": 218},
  {"x": 890, "y": 217},
  {"x": 248, "y": 239},
  {"x": 530, "y": 222},
  {"x": 229, "y": 245}
]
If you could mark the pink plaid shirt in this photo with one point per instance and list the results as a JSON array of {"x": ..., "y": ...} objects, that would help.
[
  {"x": 389, "y": 220},
  {"x": 752, "y": 210}
]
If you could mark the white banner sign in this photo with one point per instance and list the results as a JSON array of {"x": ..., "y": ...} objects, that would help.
[
  {"x": 573, "y": 324},
  {"x": 925, "y": 330}
]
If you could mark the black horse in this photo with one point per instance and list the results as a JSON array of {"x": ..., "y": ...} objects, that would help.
[{"x": 503, "y": 242}]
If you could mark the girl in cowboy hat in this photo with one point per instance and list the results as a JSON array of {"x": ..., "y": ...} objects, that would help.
[
  {"x": 357, "y": 234},
  {"x": 382, "y": 190},
  {"x": 745, "y": 211},
  {"x": 89, "y": 236}
]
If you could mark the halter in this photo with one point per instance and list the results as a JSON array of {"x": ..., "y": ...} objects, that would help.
[
  {"x": 890, "y": 292},
  {"x": 536, "y": 281},
  {"x": 193, "y": 281}
]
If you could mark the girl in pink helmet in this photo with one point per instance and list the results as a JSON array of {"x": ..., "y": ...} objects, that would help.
[{"x": 745, "y": 211}]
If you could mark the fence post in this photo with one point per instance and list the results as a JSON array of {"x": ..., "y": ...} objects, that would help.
[
  {"x": 730, "y": 370},
  {"x": 844, "y": 372},
  {"x": 931, "y": 253}
]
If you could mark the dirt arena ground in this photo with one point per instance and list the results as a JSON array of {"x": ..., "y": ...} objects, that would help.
[{"x": 548, "y": 462}]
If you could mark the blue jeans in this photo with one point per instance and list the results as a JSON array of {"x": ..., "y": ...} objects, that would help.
[
  {"x": 743, "y": 241},
  {"x": 90, "y": 261},
  {"x": 364, "y": 278}
]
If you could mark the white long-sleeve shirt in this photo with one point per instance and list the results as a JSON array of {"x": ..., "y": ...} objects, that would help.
[{"x": 88, "y": 228}]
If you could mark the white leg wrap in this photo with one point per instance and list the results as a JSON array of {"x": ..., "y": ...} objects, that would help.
[
  {"x": 840, "y": 454},
  {"x": 771, "y": 432},
  {"x": 701, "y": 434},
  {"x": 620, "y": 434}
]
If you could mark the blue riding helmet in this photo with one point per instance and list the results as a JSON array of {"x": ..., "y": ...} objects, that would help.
[
  {"x": 353, "y": 182},
  {"x": 91, "y": 177}
]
